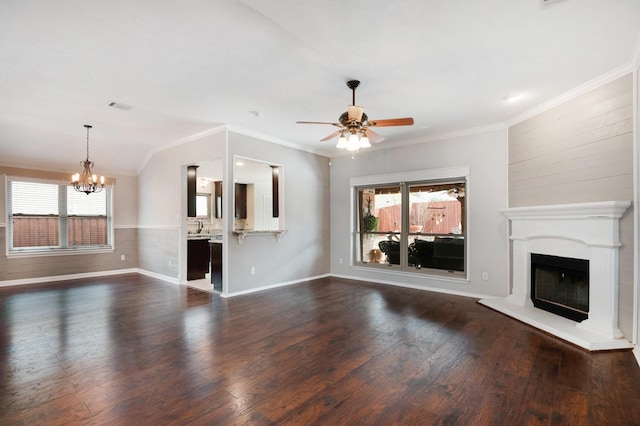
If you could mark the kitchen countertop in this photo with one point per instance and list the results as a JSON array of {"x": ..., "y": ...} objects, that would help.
[{"x": 213, "y": 235}]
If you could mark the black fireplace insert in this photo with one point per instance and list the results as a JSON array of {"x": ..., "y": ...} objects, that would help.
[{"x": 560, "y": 285}]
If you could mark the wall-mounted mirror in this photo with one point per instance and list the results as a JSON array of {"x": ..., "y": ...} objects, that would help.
[{"x": 257, "y": 195}]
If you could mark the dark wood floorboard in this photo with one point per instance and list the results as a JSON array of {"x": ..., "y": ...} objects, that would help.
[{"x": 130, "y": 349}]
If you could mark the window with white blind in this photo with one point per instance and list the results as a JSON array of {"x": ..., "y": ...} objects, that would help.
[{"x": 51, "y": 217}]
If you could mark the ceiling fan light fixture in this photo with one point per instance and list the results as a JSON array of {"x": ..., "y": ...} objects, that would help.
[
  {"x": 355, "y": 113},
  {"x": 353, "y": 144},
  {"x": 364, "y": 142},
  {"x": 342, "y": 142}
]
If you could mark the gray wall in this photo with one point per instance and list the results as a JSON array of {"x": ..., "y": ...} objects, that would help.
[
  {"x": 303, "y": 251},
  {"x": 581, "y": 151},
  {"x": 486, "y": 156}
]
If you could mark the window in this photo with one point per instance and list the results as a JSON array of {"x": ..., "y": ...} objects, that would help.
[
  {"x": 203, "y": 206},
  {"x": 48, "y": 216},
  {"x": 416, "y": 226}
]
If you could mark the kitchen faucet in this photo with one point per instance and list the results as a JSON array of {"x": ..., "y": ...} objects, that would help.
[{"x": 200, "y": 226}]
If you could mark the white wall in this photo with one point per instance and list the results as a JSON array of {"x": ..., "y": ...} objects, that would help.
[
  {"x": 486, "y": 156},
  {"x": 162, "y": 204}
]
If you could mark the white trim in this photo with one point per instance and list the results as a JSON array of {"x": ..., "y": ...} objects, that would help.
[
  {"x": 601, "y": 80},
  {"x": 54, "y": 278},
  {"x": 418, "y": 175},
  {"x": 178, "y": 142},
  {"x": 635, "y": 333},
  {"x": 635, "y": 56},
  {"x": 636, "y": 353},
  {"x": 272, "y": 286},
  {"x": 413, "y": 286},
  {"x": 432, "y": 138},
  {"x": 257, "y": 135},
  {"x": 159, "y": 227},
  {"x": 172, "y": 280}
]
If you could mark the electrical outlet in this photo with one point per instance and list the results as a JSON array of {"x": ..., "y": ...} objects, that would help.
[
  {"x": 485, "y": 276},
  {"x": 253, "y": 270},
  {"x": 170, "y": 263},
  {"x": 123, "y": 257},
  {"x": 340, "y": 261}
]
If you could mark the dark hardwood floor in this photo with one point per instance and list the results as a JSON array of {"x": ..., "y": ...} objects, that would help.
[{"x": 133, "y": 350}]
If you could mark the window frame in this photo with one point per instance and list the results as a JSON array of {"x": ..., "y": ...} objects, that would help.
[
  {"x": 63, "y": 247},
  {"x": 405, "y": 180}
]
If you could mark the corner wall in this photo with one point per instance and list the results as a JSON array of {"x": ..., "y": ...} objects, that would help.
[
  {"x": 303, "y": 251},
  {"x": 581, "y": 151}
]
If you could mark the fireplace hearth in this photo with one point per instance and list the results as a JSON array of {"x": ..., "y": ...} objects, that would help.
[{"x": 585, "y": 231}]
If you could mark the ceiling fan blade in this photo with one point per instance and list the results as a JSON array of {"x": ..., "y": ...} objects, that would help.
[
  {"x": 331, "y": 136},
  {"x": 373, "y": 136},
  {"x": 355, "y": 112},
  {"x": 408, "y": 121},
  {"x": 319, "y": 122}
]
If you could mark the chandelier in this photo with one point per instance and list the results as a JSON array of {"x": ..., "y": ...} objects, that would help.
[{"x": 86, "y": 181}]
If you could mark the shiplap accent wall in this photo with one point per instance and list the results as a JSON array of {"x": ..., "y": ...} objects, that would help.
[{"x": 581, "y": 151}]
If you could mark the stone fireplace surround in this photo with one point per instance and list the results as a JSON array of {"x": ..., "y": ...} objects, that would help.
[{"x": 582, "y": 231}]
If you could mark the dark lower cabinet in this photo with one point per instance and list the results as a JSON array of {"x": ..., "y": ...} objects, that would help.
[
  {"x": 197, "y": 259},
  {"x": 216, "y": 265}
]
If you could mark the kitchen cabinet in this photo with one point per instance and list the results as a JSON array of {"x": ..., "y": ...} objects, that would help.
[
  {"x": 197, "y": 258},
  {"x": 216, "y": 265},
  {"x": 241, "y": 200},
  {"x": 192, "y": 176},
  {"x": 217, "y": 193}
]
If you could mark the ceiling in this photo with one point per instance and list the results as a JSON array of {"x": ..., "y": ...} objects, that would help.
[{"x": 187, "y": 67}]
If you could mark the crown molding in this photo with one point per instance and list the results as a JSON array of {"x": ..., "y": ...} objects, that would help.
[
  {"x": 267, "y": 138},
  {"x": 601, "y": 80},
  {"x": 178, "y": 142}
]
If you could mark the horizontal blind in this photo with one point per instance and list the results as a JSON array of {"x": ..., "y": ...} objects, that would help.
[{"x": 46, "y": 215}]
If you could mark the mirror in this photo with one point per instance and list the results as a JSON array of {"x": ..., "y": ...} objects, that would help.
[{"x": 257, "y": 195}]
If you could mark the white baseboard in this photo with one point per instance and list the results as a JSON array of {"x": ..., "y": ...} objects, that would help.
[
  {"x": 636, "y": 353},
  {"x": 172, "y": 280},
  {"x": 271, "y": 286},
  {"x": 38, "y": 280},
  {"x": 412, "y": 286}
]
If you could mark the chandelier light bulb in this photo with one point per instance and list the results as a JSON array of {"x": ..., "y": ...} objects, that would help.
[
  {"x": 353, "y": 144},
  {"x": 364, "y": 142},
  {"x": 342, "y": 142}
]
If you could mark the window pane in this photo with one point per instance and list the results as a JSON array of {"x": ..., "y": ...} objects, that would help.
[
  {"x": 87, "y": 218},
  {"x": 435, "y": 209},
  {"x": 436, "y": 225},
  {"x": 81, "y": 204},
  {"x": 34, "y": 214},
  {"x": 380, "y": 222},
  {"x": 34, "y": 198}
]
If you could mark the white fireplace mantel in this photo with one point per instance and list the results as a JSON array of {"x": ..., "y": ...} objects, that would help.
[{"x": 582, "y": 231}]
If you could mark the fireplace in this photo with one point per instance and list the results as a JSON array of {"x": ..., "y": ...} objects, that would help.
[
  {"x": 586, "y": 232},
  {"x": 560, "y": 285}
]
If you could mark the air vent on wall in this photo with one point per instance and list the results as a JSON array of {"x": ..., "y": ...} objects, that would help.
[{"x": 119, "y": 105}]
